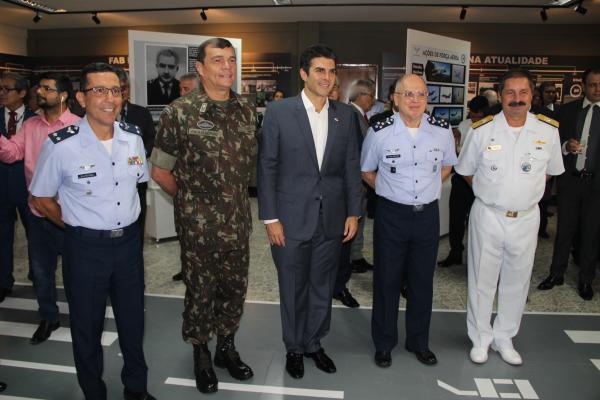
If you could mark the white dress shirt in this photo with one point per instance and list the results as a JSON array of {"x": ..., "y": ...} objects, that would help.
[
  {"x": 319, "y": 125},
  {"x": 20, "y": 114}
]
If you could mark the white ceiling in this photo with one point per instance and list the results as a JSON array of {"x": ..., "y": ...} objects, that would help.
[{"x": 17, "y": 16}]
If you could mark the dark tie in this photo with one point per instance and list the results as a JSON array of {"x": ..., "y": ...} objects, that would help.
[
  {"x": 12, "y": 124},
  {"x": 593, "y": 143},
  {"x": 366, "y": 118}
]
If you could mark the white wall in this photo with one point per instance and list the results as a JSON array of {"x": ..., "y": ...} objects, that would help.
[{"x": 13, "y": 40}]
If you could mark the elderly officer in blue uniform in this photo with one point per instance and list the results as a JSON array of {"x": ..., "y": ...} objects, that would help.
[
  {"x": 94, "y": 167},
  {"x": 405, "y": 158}
]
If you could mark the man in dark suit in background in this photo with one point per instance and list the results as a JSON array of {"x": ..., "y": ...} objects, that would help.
[
  {"x": 141, "y": 117},
  {"x": 309, "y": 196},
  {"x": 13, "y": 190},
  {"x": 579, "y": 187},
  {"x": 165, "y": 87}
]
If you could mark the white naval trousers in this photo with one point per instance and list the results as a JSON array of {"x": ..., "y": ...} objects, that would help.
[{"x": 501, "y": 254}]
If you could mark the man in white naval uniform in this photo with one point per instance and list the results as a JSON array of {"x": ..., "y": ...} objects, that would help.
[{"x": 507, "y": 158}]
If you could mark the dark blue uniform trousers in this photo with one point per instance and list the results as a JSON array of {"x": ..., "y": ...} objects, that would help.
[
  {"x": 405, "y": 247},
  {"x": 98, "y": 266},
  {"x": 45, "y": 243}
]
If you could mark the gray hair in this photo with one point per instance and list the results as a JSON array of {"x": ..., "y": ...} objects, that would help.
[
  {"x": 361, "y": 86},
  {"x": 21, "y": 83}
]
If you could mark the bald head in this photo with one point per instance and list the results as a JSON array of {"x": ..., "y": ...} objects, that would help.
[
  {"x": 409, "y": 79},
  {"x": 410, "y": 97}
]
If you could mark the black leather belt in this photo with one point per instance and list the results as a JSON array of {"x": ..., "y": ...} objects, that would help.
[
  {"x": 101, "y": 234},
  {"x": 413, "y": 208}
]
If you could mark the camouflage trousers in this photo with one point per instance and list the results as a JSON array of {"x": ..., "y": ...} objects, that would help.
[{"x": 216, "y": 283}]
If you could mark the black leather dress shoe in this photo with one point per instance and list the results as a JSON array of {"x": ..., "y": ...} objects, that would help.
[
  {"x": 322, "y": 361},
  {"x": 129, "y": 395},
  {"x": 426, "y": 357},
  {"x": 227, "y": 356},
  {"x": 43, "y": 331},
  {"x": 383, "y": 359},
  {"x": 404, "y": 291},
  {"x": 550, "y": 282},
  {"x": 294, "y": 365},
  {"x": 346, "y": 298},
  {"x": 357, "y": 269},
  {"x": 178, "y": 276},
  {"x": 206, "y": 379},
  {"x": 585, "y": 291},
  {"x": 362, "y": 264},
  {"x": 452, "y": 259},
  {"x": 3, "y": 293},
  {"x": 2, "y": 386}
]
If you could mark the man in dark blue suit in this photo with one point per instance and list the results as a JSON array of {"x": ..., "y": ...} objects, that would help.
[
  {"x": 13, "y": 190},
  {"x": 309, "y": 196}
]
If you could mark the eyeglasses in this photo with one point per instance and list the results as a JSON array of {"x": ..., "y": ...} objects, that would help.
[
  {"x": 367, "y": 94},
  {"x": 169, "y": 66},
  {"x": 6, "y": 89},
  {"x": 103, "y": 91},
  {"x": 413, "y": 95},
  {"x": 48, "y": 89}
]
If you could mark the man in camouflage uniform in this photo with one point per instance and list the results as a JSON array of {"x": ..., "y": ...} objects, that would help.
[{"x": 202, "y": 157}]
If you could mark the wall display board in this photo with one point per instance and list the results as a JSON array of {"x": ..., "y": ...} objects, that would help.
[
  {"x": 157, "y": 61},
  {"x": 444, "y": 64},
  {"x": 264, "y": 73}
]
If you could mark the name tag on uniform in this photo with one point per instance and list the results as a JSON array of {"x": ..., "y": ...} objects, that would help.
[
  {"x": 134, "y": 160},
  {"x": 204, "y": 132},
  {"x": 88, "y": 175},
  {"x": 493, "y": 147},
  {"x": 393, "y": 156}
]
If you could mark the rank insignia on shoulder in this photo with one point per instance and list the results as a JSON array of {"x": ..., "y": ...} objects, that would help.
[
  {"x": 64, "y": 133},
  {"x": 482, "y": 121},
  {"x": 131, "y": 128},
  {"x": 379, "y": 125},
  {"x": 441, "y": 122},
  {"x": 548, "y": 120}
]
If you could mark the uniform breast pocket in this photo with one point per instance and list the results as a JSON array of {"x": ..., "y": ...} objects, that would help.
[
  {"x": 434, "y": 159},
  {"x": 205, "y": 141},
  {"x": 492, "y": 166},
  {"x": 539, "y": 160},
  {"x": 393, "y": 162},
  {"x": 135, "y": 171},
  {"x": 85, "y": 182}
]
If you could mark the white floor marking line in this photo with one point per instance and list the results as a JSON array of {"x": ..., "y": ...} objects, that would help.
[
  {"x": 596, "y": 363},
  {"x": 486, "y": 388},
  {"x": 17, "y": 303},
  {"x": 503, "y": 381},
  {"x": 510, "y": 396},
  {"x": 526, "y": 389},
  {"x": 16, "y": 398},
  {"x": 39, "y": 366},
  {"x": 586, "y": 337},
  {"x": 456, "y": 391},
  {"x": 287, "y": 391},
  {"x": 20, "y": 329}
]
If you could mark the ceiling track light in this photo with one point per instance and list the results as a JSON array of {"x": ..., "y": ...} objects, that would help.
[
  {"x": 203, "y": 14},
  {"x": 463, "y": 13},
  {"x": 37, "y": 17},
  {"x": 579, "y": 8},
  {"x": 95, "y": 18},
  {"x": 544, "y": 15}
]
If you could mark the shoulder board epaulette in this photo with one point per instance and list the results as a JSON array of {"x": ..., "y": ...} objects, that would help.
[
  {"x": 64, "y": 133},
  {"x": 548, "y": 120},
  {"x": 441, "y": 122},
  {"x": 482, "y": 121},
  {"x": 131, "y": 128},
  {"x": 379, "y": 125}
]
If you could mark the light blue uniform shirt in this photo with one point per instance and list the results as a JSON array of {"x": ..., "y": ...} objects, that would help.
[
  {"x": 408, "y": 170},
  {"x": 95, "y": 190}
]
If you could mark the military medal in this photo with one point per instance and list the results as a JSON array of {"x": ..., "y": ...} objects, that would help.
[{"x": 134, "y": 160}]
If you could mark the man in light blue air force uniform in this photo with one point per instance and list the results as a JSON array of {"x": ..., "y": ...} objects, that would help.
[
  {"x": 94, "y": 167},
  {"x": 405, "y": 158}
]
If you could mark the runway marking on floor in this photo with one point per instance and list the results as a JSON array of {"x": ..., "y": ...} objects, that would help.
[
  {"x": 38, "y": 366},
  {"x": 596, "y": 363},
  {"x": 17, "y": 303},
  {"x": 16, "y": 398},
  {"x": 584, "y": 337},
  {"x": 20, "y": 329},
  {"x": 286, "y": 391},
  {"x": 456, "y": 391}
]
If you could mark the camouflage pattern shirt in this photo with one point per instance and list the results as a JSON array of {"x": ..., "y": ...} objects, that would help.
[{"x": 208, "y": 146}]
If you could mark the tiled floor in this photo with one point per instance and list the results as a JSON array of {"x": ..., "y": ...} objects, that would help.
[{"x": 450, "y": 286}]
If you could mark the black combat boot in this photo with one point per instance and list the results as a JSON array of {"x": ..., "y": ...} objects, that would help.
[
  {"x": 227, "y": 357},
  {"x": 206, "y": 380}
]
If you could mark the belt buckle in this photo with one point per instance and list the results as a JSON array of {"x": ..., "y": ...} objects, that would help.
[
  {"x": 512, "y": 214},
  {"x": 116, "y": 233},
  {"x": 418, "y": 208}
]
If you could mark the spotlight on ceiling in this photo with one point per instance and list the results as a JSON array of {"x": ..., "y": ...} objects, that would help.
[
  {"x": 95, "y": 18},
  {"x": 580, "y": 8},
  {"x": 544, "y": 15},
  {"x": 203, "y": 15},
  {"x": 463, "y": 13},
  {"x": 37, "y": 17}
]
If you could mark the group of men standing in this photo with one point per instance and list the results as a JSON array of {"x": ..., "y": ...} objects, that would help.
[{"x": 312, "y": 162}]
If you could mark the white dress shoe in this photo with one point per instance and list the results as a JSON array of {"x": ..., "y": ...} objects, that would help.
[
  {"x": 479, "y": 355},
  {"x": 509, "y": 355}
]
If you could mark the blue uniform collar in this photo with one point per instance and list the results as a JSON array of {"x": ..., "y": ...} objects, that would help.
[{"x": 401, "y": 128}]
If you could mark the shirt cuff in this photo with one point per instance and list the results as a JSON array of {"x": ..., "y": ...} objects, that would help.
[
  {"x": 564, "y": 149},
  {"x": 162, "y": 160},
  {"x": 270, "y": 221}
]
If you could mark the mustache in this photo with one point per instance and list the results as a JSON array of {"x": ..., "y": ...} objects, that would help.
[{"x": 517, "y": 104}]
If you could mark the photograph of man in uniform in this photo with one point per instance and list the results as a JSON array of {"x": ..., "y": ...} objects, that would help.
[{"x": 165, "y": 87}]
